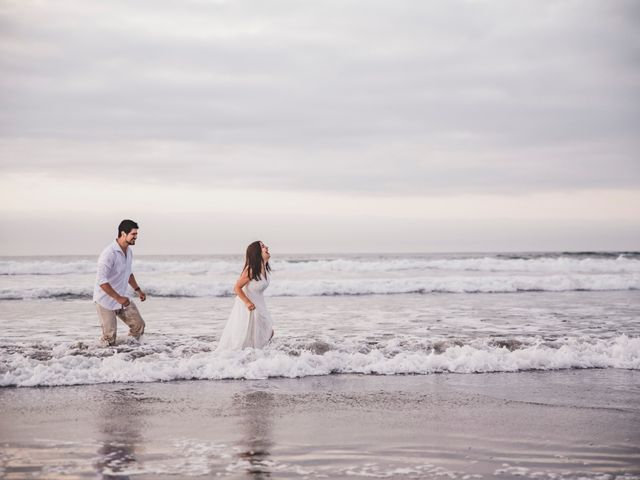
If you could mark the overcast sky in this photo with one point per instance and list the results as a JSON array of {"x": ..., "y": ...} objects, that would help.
[{"x": 320, "y": 126}]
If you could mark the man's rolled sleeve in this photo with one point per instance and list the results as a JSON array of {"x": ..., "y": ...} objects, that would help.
[{"x": 105, "y": 264}]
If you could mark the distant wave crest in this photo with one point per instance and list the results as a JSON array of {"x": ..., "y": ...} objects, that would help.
[
  {"x": 360, "y": 286},
  {"x": 565, "y": 263}
]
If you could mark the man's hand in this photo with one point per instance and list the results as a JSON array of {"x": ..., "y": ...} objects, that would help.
[
  {"x": 141, "y": 295},
  {"x": 124, "y": 301}
]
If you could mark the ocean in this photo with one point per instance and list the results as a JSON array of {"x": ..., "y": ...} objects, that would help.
[
  {"x": 374, "y": 314},
  {"x": 425, "y": 366}
]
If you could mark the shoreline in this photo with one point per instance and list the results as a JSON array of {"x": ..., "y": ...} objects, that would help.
[{"x": 311, "y": 377}]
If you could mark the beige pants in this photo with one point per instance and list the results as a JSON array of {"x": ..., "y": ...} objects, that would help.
[{"x": 129, "y": 315}]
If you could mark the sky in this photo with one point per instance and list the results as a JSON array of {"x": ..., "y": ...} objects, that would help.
[{"x": 325, "y": 126}]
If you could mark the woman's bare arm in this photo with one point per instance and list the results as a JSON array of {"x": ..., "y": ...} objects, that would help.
[{"x": 242, "y": 281}]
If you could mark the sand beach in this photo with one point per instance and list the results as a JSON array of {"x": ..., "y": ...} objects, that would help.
[{"x": 544, "y": 425}]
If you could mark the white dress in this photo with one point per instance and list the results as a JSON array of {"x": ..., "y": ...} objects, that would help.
[{"x": 248, "y": 328}]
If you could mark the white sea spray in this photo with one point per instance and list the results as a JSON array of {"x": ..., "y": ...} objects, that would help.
[{"x": 67, "y": 365}]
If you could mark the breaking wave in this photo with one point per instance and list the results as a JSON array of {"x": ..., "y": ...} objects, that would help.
[
  {"x": 359, "y": 286},
  {"x": 51, "y": 364}
]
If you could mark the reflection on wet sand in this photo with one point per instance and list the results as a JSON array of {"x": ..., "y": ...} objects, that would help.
[
  {"x": 119, "y": 422},
  {"x": 255, "y": 411}
]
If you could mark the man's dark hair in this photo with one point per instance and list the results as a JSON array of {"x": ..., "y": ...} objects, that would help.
[{"x": 126, "y": 226}]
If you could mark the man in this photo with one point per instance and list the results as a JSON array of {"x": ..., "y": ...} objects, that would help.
[{"x": 109, "y": 293}]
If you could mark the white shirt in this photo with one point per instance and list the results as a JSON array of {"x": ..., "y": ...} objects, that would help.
[{"x": 115, "y": 269}]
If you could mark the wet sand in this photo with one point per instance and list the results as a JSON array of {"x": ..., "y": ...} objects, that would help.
[{"x": 564, "y": 424}]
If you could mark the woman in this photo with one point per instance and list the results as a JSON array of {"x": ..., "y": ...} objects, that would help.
[{"x": 250, "y": 324}]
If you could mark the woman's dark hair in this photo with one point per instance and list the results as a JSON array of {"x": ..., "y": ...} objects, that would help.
[
  {"x": 253, "y": 263},
  {"x": 126, "y": 226}
]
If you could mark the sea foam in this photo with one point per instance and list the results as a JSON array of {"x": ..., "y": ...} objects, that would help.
[{"x": 45, "y": 364}]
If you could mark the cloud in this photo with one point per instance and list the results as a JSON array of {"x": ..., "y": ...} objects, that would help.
[{"x": 351, "y": 96}]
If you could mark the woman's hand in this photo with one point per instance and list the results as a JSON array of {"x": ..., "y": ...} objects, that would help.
[{"x": 251, "y": 306}]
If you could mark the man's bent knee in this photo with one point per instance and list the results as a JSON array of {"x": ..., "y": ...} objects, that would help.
[{"x": 137, "y": 329}]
